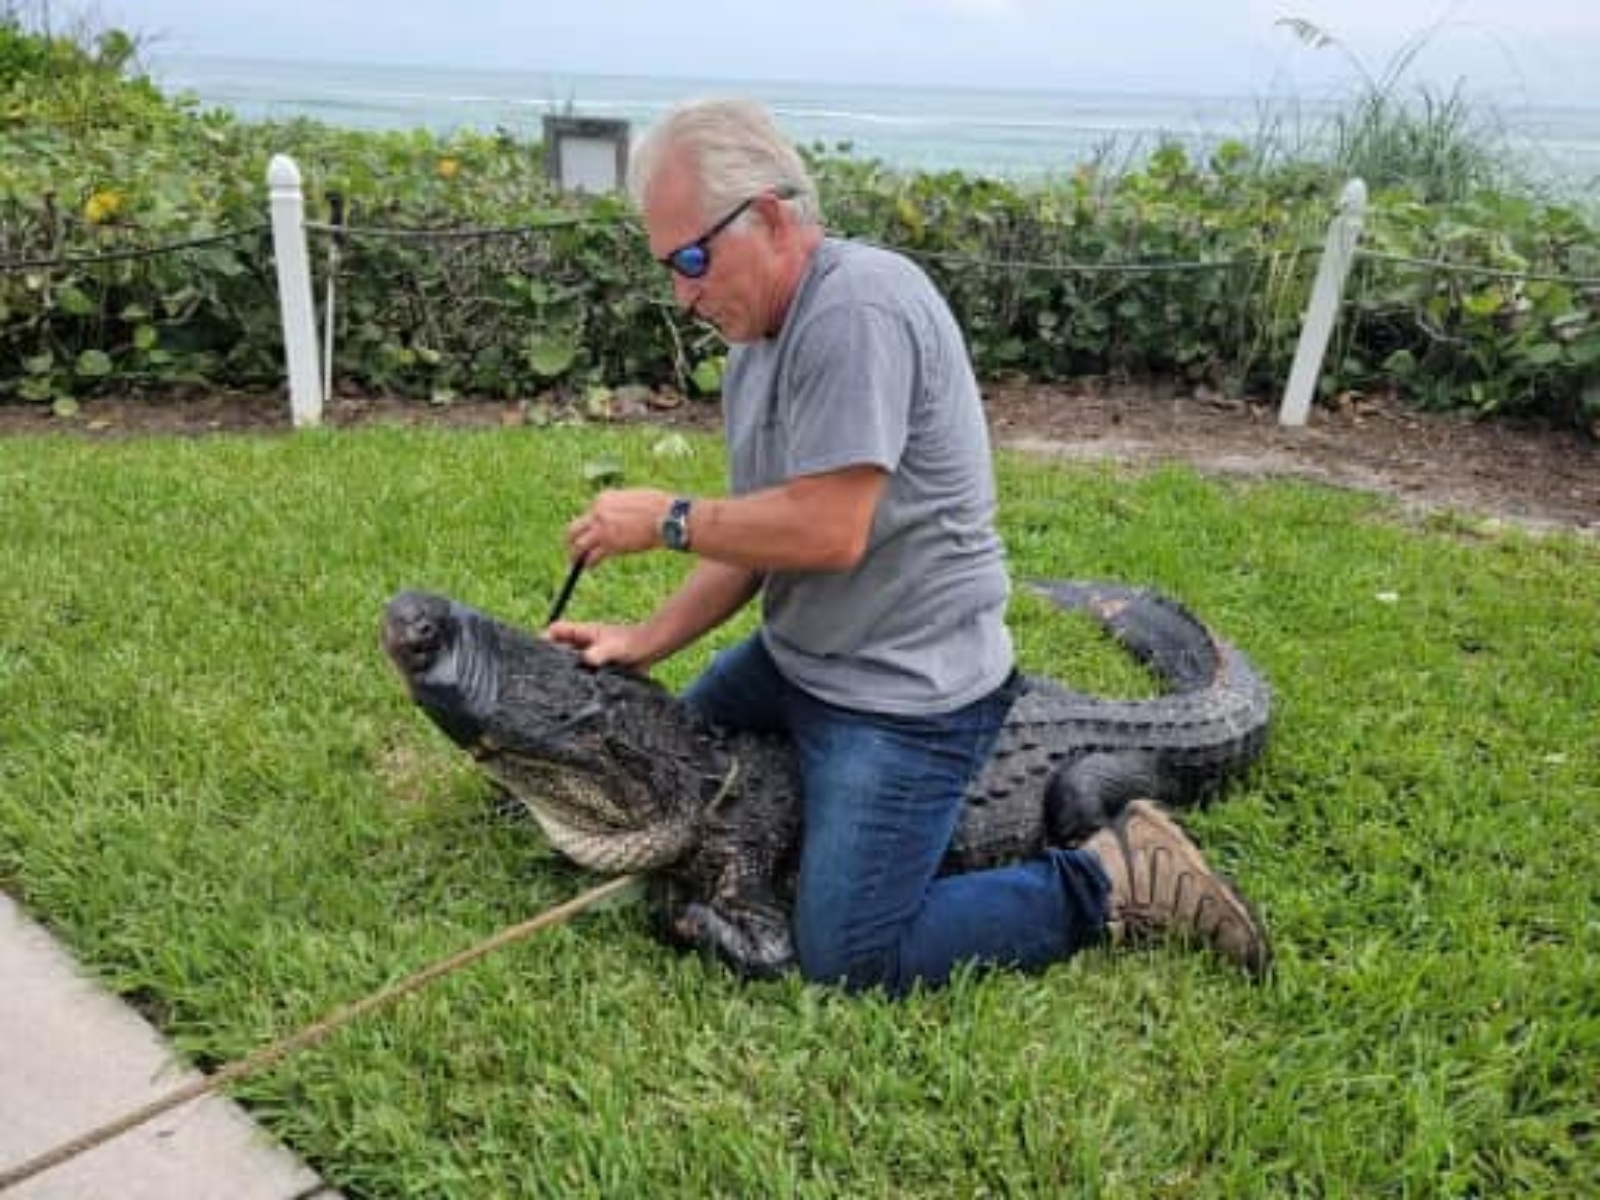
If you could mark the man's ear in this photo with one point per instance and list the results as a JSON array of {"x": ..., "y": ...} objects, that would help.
[{"x": 772, "y": 211}]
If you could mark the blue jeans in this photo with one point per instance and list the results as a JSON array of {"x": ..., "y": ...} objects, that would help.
[{"x": 883, "y": 796}]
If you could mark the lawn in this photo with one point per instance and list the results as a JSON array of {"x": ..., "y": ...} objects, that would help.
[{"x": 214, "y": 790}]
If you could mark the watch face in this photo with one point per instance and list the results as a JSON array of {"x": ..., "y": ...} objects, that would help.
[{"x": 675, "y": 526}]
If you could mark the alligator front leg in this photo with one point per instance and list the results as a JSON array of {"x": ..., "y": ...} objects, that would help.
[{"x": 748, "y": 930}]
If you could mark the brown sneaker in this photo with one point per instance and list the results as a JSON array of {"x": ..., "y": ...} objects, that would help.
[{"x": 1161, "y": 885}]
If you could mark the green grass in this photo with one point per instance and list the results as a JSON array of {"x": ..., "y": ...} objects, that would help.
[{"x": 213, "y": 788}]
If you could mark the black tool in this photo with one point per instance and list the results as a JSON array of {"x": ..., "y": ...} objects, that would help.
[{"x": 560, "y": 605}]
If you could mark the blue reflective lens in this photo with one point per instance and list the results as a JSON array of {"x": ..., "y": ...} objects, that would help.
[{"x": 690, "y": 261}]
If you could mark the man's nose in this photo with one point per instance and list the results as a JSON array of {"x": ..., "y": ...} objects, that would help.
[{"x": 685, "y": 290}]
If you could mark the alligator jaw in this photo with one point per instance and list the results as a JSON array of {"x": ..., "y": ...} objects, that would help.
[{"x": 580, "y": 818}]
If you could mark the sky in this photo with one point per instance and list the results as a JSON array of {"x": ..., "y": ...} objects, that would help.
[{"x": 1533, "y": 51}]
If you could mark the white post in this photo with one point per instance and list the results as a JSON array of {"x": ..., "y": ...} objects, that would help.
[
  {"x": 294, "y": 290},
  {"x": 1327, "y": 293}
]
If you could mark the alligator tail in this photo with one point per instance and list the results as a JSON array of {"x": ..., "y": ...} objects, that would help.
[{"x": 1156, "y": 630}]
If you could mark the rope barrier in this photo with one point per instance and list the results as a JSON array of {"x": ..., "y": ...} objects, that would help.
[
  {"x": 82, "y": 260},
  {"x": 269, "y": 1056},
  {"x": 952, "y": 258},
  {"x": 1452, "y": 268},
  {"x": 955, "y": 258},
  {"x": 446, "y": 233},
  {"x": 1101, "y": 268}
]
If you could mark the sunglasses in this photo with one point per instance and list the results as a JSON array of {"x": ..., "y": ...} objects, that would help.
[{"x": 693, "y": 259}]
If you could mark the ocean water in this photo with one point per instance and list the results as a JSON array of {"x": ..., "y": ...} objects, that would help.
[{"x": 1010, "y": 134}]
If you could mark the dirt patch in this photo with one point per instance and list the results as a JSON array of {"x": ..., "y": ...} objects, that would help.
[
  {"x": 1525, "y": 473},
  {"x": 1522, "y": 473}
]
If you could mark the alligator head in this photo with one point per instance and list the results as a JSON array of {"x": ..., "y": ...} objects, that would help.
[{"x": 544, "y": 726}]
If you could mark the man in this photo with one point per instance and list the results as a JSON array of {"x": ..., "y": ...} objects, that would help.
[{"x": 862, "y": 513}]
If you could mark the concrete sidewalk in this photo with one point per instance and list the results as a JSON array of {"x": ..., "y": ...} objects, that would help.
[{"x": 73, "y": 1057}]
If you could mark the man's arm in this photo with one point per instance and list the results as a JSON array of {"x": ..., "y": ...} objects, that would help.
[
  {"x": 713, "y": 592},
  {"x": 810, "y": 523}
]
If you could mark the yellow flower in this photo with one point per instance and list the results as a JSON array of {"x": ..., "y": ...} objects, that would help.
[
  {"x": 447, "y": 168},
  {"x": 102, "y": 206}
]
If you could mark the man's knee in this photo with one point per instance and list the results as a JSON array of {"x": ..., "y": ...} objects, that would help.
[{"x": 826, "y": 957}]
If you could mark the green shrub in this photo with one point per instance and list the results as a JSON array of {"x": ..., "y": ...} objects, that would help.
[{"x": 1167, "y": 266}]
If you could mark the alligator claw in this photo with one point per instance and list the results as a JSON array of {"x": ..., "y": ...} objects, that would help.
[{"x": 754, "y": 944}]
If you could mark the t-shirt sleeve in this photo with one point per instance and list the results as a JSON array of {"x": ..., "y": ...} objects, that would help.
[{"x": 852, "y": 379}]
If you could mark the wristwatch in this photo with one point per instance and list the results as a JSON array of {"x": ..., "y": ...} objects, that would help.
[{"x": 675, "y": 525}]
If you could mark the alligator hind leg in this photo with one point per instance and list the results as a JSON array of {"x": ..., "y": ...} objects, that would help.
[{"x": 1089, "y": 792}]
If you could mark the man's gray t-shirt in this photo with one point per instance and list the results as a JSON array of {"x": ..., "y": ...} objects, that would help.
[{"x": 870, "y": 368}]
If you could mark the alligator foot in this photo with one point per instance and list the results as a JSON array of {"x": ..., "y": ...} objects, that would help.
[
  {"x": 751, "y": 937},
  {"x": 753, "y": 945}
]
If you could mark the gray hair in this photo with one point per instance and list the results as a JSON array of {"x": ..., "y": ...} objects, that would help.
[{"x": 736, "y": 151}]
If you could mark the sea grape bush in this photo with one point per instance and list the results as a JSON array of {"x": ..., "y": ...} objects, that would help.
[{"x": 1167, "y": 266}]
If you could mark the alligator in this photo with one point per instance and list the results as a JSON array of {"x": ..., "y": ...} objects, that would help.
[{"x": 622, "y": 776}]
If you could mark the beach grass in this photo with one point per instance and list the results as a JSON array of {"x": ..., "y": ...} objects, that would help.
[{"x": 213, "y": 788}]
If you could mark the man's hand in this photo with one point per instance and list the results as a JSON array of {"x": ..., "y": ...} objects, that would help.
[
  {"x": 600, "y": 644},
  {"x": 622, "y": 521},
  {"x": 712, "y": 593}
]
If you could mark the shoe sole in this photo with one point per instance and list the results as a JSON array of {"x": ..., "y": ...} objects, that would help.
[{"x": 1255, "y": 965}]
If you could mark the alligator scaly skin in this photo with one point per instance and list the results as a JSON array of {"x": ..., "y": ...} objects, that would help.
[{"x": 621, "y": 776}]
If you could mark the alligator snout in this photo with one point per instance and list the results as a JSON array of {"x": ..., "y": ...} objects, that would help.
[{"x": 414, "y": 627}]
